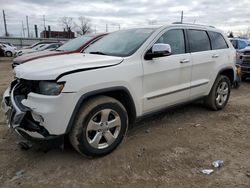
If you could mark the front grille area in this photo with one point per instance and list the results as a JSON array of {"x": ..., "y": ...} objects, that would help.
[
  {"x": 247, "y": 53},
  {"x": 24, "y": 87}
]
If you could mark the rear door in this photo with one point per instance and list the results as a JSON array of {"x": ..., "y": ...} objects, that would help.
[{"x": 204, "y": 62}]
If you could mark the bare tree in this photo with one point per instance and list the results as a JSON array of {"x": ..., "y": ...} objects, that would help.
[
  {"x": 66, "y": 23},
  {"x": 245, "y": 33},
  {"x": 84, "y": 25},
  {"x": 230, "y": 35}
]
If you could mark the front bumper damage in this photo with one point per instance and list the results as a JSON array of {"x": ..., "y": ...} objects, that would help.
[{"x": 20, "y": 118}]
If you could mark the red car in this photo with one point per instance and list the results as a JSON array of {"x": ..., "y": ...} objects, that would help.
[{"x": 73, "y": 46}]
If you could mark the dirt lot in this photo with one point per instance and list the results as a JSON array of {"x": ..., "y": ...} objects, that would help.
[{"x": 167, "y": 150}]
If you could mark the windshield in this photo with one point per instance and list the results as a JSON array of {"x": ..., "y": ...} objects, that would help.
[
  {"x": 45, "y": 47},
  {"x": 39, "y": 46},
  {"x": 120, "y": 43},
  {"x": 74, "y": 44}
]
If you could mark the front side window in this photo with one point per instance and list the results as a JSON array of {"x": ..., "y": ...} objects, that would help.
[
  {"x": 120, "y": 43},
  {"x": 217, "y": 40},
  {"x": 175, "y": 38},
  {"x": 198, "y": 40}
]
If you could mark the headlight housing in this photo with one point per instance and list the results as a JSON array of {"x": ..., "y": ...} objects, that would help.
[{"x": 50, "y": 87}]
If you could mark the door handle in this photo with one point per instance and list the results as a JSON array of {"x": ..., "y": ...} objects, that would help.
[
  {"x": 185, "y": 61},
  {"x": 215, "y": 56}
]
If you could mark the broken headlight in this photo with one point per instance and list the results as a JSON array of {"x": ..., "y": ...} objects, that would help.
[{"x": 50, "y": 87}]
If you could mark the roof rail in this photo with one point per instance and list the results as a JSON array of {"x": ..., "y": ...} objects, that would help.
[{"x": 193, "y": 24}]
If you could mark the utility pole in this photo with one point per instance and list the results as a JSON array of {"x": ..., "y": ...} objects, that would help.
[
  {"x": 23, "y": 29},
  {"x": 5, "y": 25},
  {"x": 106, "y": 27},
  {"x": 119, "y": 26},
  {"x": 181, "y": 16},
  {"x": 44, "y": 27},
  {"x": 27, "y": 22},
  {"x": 49, "y": 32},
  {"x": 36, "y": 31}
]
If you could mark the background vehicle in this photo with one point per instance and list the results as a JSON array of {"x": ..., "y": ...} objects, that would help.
[
  {"x": 1, "y": 51},
  {"x": 239, "y": 43},
  {"x": 73, "y": 46},
  {"x": 243, "y": 60},
  {"x": 52, "y": 46},
  {"x": 124, "y": 76},
  {"x": 8, "y": 50},
  {"x": 39, "y": 43},
  {"x": 37, "y": 48},
  {"x": 2, "y": 42}
]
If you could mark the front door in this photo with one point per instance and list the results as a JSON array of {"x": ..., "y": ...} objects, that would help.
[{"x": 167, "y": 79}]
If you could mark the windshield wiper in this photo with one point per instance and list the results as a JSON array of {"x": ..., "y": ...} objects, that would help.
[{"x": 98, "y": 52}]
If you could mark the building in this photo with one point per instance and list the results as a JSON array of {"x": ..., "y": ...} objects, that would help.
[{"x": 57, "y": 34}]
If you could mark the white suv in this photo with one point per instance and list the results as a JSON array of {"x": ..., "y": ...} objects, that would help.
[{"x": 94, "y": 96}]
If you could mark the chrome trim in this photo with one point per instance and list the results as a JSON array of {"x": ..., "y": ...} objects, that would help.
[
  {"x": 16, "y": 115},
  {"x": 176, "y": 91}
]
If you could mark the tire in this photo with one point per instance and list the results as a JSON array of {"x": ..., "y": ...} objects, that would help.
[
  {"x": 244, "y": 78},
  {"x": 92, "y": 133},
  {"x": 219, "y": 94},
  {"x": 8, "y": 54},
  {"x": 237, "y": 83}
]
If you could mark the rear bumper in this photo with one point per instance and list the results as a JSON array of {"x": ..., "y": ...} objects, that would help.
[{"x": 20, "y": 119}]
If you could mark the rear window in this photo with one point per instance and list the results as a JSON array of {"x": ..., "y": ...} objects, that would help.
[
  {"x": 198, "y": 41},
  {"x": 217, "y": 40}
]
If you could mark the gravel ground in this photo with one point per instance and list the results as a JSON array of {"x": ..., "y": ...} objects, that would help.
[{"x": 166, "y": 150}]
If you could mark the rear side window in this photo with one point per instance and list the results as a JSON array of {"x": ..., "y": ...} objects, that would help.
[
  {"x": 198, "y": 41},
  {"x": 217, "y": 40},
  {"x": 175, "y": 38}
]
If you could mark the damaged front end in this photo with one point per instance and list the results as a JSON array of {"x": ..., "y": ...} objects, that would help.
[{"x": 20, "y": 117}]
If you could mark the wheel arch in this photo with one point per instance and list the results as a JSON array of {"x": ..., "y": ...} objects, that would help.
[
  {"x": 119, "y": 93},
  {"x": 9, "y": 52},
  {"x": 229, "y": 72}
]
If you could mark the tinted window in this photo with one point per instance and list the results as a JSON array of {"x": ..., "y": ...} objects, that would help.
[
  {"x": 198, "y": 41},
  {"x": 234, "y": 43},
  {"x": 53, "y": 46},
  {"x": 242, "y": 44},
  {"x": 217, "y": 40},
  {"x": 175, "y": 38}
]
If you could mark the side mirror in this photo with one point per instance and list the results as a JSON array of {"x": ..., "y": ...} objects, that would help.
[{"x": 158, "y": 50}]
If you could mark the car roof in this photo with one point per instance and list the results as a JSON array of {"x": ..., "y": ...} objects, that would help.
[{"x": 181, "y": 25}]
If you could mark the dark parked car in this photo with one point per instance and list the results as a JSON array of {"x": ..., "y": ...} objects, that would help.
[
  {"x": 243, "y": 59},
  {"x": 1, "y": 51},
  {"x": 73, "y": 46}
]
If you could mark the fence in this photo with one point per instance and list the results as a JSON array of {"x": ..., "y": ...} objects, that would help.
[{"x": 20, "y": 42}]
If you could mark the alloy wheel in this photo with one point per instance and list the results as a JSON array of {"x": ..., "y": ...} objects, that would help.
[
  {"x": 222, "y": 93},
  {"x": 103, "y": 128}
]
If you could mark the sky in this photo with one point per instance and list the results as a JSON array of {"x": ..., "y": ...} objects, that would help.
[{"x": 224, "y": 14}]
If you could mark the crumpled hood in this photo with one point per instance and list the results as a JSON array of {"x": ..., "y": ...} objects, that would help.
[
  {"x": 50, "y": 68},
  {"x": 35, "y": 55}
]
